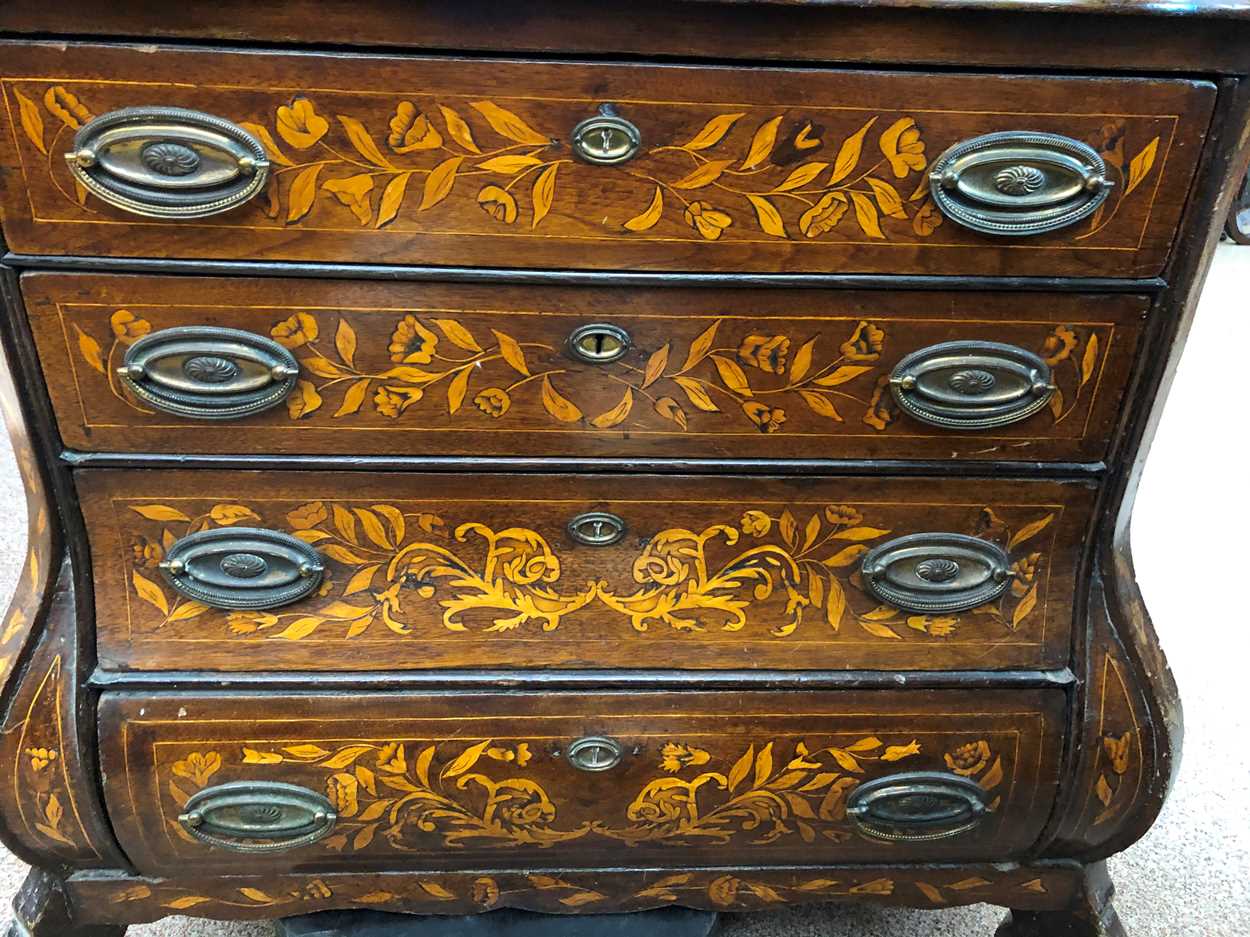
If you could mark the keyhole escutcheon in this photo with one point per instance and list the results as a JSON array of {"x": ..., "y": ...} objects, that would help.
[
  {"x": 607, "y": 138},
  {"x": 597, "y": 529},
  {"x": 598, "y": 343},
  {"x": 595, "y": 753}
]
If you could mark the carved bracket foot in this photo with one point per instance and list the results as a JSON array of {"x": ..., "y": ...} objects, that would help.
[
  {"x": 40, "y": 909},
  {"x": 1091, "y": 913}
]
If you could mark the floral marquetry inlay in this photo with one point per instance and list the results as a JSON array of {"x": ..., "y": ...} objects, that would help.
[
  {"x": 717, "y": 174},
  {"x": 735, "y": 376},
  {"x": 41, "y": 778},
  {"x": 772, "y": 792},
  {"x": 412, "y": 795},
  {"x": 398, "y": 570},
  {"x": 1119, "y": 760}
]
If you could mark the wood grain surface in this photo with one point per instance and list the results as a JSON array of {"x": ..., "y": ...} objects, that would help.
[
  {"x": 430, "y": 687},
  {"x": 433, "y": 369},
  {"x": 449, "y": 161},
  {"x": 453, "y": 781},
  {"x": 135, "y": 899},
  {"x": 1194, "y": 38},
  {"x": 429, "y": 571}
]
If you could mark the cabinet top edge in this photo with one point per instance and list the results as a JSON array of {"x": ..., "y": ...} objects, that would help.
[
  {"x": 1234, "y": 9},
  {"x": 1151, "y": 36}
]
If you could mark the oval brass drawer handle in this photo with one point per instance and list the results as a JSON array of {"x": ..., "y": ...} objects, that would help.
[
  {"x": 208, "y": 373},
  {"x": 936, "y": 572},
  {"x": 919, "y": 806},
  {"x": 242, "y": 567},
  {"x": 257, "y": 816},
  {"x": 168, "y": 162},
  {"x": 1019, "y": 183},
  {"x": 971, "y": 385}
]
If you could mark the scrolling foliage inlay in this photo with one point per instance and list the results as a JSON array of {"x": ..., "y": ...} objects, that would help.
[
  {"x": 393, "y": 568},
  {"x": 770, "y": 796},
  {"x": 415, "y": 796},
  {"x": 776, "y": 176},
  {"x": 447, "y": 892},
  {"x": 740, "y": 375}
]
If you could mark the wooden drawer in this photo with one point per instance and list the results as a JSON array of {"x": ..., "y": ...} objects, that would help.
[
  {"x": 472, "y": 781},
  {"x": 417, "y": 368},
  {"x": 466, "y": 161},
  {"x": 437, "y": 571}
]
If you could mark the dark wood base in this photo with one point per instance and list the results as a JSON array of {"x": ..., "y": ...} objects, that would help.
[
  {"x": 1090, "y": 915},
  {"x": 1060, "y": 900},
  {"x": 40, "y": 909},
  {"x": 664, "y": 922}
]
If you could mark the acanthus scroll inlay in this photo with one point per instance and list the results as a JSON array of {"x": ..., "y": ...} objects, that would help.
[
  {"x": 408, "y": 795},
  {"x": 401, "y": 569}
]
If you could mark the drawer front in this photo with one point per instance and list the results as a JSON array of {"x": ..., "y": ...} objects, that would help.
[
  {"x": 456, "y": 781},
  {"x": 447, "y": 161},
  {"x": 431, "y": 571},
  {"x": 413, "y": 369}
]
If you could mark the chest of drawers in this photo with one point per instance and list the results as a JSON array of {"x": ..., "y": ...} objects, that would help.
[{"x": 593, "y": 458}]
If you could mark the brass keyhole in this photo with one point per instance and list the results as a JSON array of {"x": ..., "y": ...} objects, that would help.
[
  {"x": 606, "y": 139},
  {"x": 607, "y": 144},
  {"x": 599, "y": 343},
  {"x": 595, "y": 753},
  {"x": 597, "y": 529}
]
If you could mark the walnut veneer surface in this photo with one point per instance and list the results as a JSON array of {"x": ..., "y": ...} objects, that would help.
[
  {"x": 683, "y": 587},
  {"x": 711, "y": 354},
  {"x": 593, "y": 458},
  {"x": 679, "y": 205}
]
